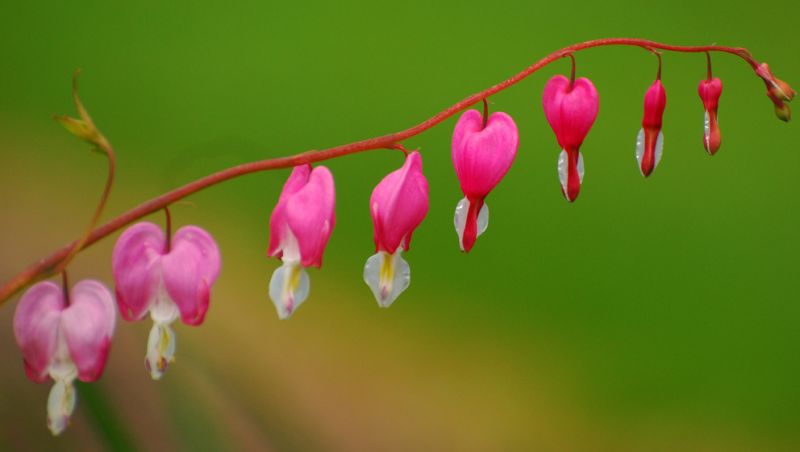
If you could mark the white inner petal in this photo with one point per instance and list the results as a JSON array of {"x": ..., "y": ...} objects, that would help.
[
  {"x": 659, "y": 149},
  {"x": 163, "y": 310},
  {"x": 563, "y": 169},
  {"x": 460, "y": 219},
  {"x": 640, "y": 149},
  {"x": 61, "y": 366},
  {"x": 160, "y": 350},
  {"x": 290, "y": 249},
  {"x": 60, "y": 405},
  {"x": 580, "y": 166},
  {"x": 706, "y": 129},
  {"x": 289, "y": 288},
  {"x": 387, "y": 275}
]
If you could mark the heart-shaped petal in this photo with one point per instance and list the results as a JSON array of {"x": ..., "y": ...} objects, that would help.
[
  {"x": 398, "y": 205},
  {"x": 189, "y": 270},
  {"x": 136, "y": 265},
  {"x": 570, "y": 110},
  {"x": 483, "y": 155},
  {"x": 277, "y": 222},
  {"x": 88, "y": 325},
  {"x": 36, "y": 323},
  {"x": 310, "y": 215}
]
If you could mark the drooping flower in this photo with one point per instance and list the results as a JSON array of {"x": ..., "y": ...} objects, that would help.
[
  {"x": 64, "y": 338},
  {"x": 169, "y": 278},
  {"x": 300, "y": 227},
  {"x": 778, "y": 91},
  {"x": 398, "y": 205},
  {"x": 650, "y": 141},
  {"x": 482, "y": 155},
  {"x": 710, "y": 90},
  {"x": 570, "y": 108}
]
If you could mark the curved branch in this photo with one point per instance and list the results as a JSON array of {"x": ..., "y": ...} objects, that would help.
[{"x": 46, "y": 266}]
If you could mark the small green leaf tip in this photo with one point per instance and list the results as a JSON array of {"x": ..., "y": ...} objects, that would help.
[{"x": 84, "y": 127}]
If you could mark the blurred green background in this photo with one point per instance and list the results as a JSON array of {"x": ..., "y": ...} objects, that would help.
[{"x": 655, "y": 314}]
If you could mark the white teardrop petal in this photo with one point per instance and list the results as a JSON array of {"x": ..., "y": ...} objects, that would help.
[
  {"x": 288, "y": 288},
  {"x": 60, "y": 405},
  {"x": 640, "y": 149},
  {"x": 460, "y": 219},
  {"x": 580, "y": 166},
  {"x": 563, "y": 169},
  {"x": 160, "y": 350},
  {"x": 387, "y": 275},
  {"x": 659, "y": 149},
  {"x": 707, "y": 130},
  {"x": 483, "y": 219}
]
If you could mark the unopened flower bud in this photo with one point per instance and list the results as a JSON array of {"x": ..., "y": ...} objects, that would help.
[{"x": 778, "y": 91}]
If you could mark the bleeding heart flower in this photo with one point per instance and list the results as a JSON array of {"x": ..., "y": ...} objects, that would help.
[
  {"x": 709, "y": 91},
  {"x": 482, "y": 155},
  {"x": 650, "y": 141},
  {"x": 778, "y": 91},
  {"x": 168, "y": 279},
  {"x": 570, "y": 108},
  {"x": 300, "y": 227},
  {"x": 398, "y": 205},
  {"x": 64, "y": 338}
]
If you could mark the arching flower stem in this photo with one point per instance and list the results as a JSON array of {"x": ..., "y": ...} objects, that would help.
[{"x": 51, "y": 264}]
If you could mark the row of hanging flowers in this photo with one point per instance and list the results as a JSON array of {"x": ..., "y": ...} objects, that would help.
[{"x": 65, "y": 332}]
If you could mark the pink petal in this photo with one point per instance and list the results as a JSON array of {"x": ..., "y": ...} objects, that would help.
[
  {"x": 277, "y": 222},
  {"x": 655, "y": 101},
  {"x": 482, "y": 156},
  {"x": 570, "y": 112},
  {"x": 310, "y": 215},
  {"x": 398, "y": 204},
  {"x": 710, "y": 91},
  {"x": 88, "y": 324},
  {"x": 189, "y": 271},
  {"x": 135, "y": 264},
  {"x": 36, "y": 322}
]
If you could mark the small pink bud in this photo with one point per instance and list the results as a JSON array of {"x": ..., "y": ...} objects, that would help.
[
  {"x": 778, "y": 91},
  {"x": 650, "y": 141},
  {"x": 167, "y": 280},
  {"x": 398, "y": 205},
  {"x": 709, "y": 91},
  {"x": 300, "y": 226},
  {"x": 482, "y": 155},
  {"x": 571, "y": 109},
  {"x": 64, "y": 340}
]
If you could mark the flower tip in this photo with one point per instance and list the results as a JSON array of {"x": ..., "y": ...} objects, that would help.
[
  {"x": 288, "y": 288},
  {"x": 387, "y": 275},
  {"x": 783, "y": 112},
  {"x": 572, "y": 194},
  {"x": 285, "y": 312},
  {"x": 471, "y": 220},
  {"x": 60, "y": 406},
  {"x": 160, "y": 350}
]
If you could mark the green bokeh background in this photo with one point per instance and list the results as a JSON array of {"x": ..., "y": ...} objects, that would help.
[{"x": 655, "y": 314}]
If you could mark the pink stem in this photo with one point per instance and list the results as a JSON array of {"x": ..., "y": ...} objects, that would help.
[{"x": 45, "y": 267}]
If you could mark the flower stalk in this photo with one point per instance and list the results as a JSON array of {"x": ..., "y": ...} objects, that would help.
[{"x": 84, "y": 128}]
